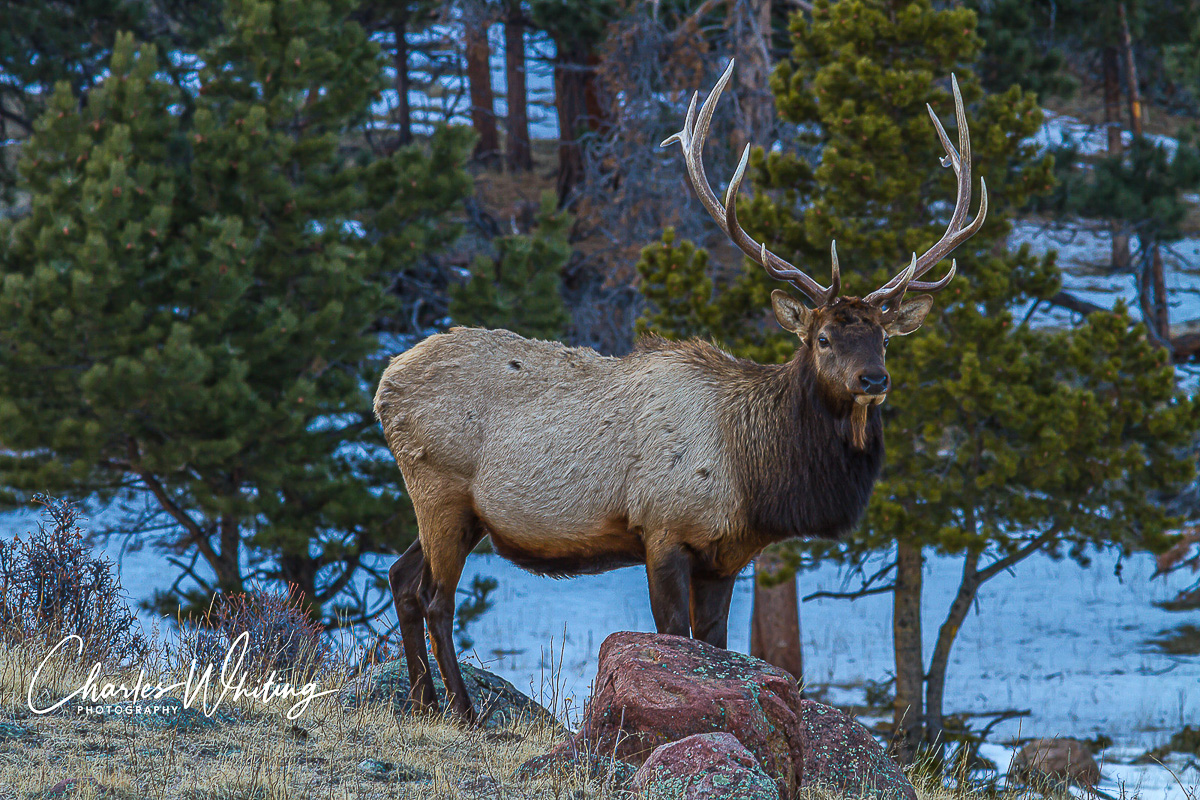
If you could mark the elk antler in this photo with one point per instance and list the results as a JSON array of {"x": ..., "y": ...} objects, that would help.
[
  {"x": 691, "y": 138},
  {"x": 955, "y": 233}
]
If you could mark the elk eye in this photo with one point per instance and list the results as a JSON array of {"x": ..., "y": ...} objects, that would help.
[
  {"x": 886, "y": 339},
  {"x": 823, "y": 340}
]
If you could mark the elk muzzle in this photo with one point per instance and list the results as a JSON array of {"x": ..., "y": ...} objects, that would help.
[{"x": 870, "y": 386}]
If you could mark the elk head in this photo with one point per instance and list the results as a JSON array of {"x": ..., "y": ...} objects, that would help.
[{"x": 844, "y": 337}]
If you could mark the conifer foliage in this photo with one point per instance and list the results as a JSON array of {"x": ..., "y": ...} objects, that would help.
[
  {"x": 185, "y": 314},
  {"x": 519, "y": 288},
  {"x": 1003, "y": 440}
]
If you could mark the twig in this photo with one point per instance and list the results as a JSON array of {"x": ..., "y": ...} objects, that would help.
[{"x": 850, "y": 595}]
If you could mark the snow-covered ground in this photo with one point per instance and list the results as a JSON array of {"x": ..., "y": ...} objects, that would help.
[
  {"x": 1083, "y": 256},
  {"x": 1067, "y": 643},
  {"x": 1061, "y": 130}
]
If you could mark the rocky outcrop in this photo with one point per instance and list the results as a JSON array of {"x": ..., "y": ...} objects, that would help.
[
  {"x": 1055, "y": 761},
  {"x": 703, "y": 767},
  {"x": 563, "y": 760},
  {"x": 652, "y": 690},
  {"x": 841, "y": 754},
  {"x": 497, "y": 701}
]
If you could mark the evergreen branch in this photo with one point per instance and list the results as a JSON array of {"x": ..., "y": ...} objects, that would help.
[
  {"x": 341, "y": 582},
  {"x": 188, "y": 571},
  {"x": 12, "y": 116},
  {"x": 196, "y": 534},
  {"x": 1072, "y": 303},
  {"x": 1029, "y": 549},
  {"x": 863, "y": 590}
]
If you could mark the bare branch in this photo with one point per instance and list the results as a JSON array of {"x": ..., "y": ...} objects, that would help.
[{"x": 850, "y": 595}]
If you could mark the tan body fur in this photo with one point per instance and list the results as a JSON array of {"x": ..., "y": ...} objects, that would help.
[
  {"x": 677, "y": 456},
  {"x": 568, "y": 457}
]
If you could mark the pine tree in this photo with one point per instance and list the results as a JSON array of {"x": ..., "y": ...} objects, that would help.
[
  {"x": 1142, "y": 189},
  {"x": 578, "y": 28},
  {"x": 186, "y": 314},
  {"x": 1003, "y": 440},
  {"x": 43, "y": 43},
  {"x": 1019, "y": 48},
  {"x": 519, "y": 288},
  {"x": 974, "y": 401},
  {"x": 675, "y": 281}
]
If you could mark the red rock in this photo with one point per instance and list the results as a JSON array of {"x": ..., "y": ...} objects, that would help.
[
  {"x": 652, "y": 689},
  {"x": 1055, "y": 760},
  {"x": 704, "y": 766},
  {"x": 841, "y": 754}
]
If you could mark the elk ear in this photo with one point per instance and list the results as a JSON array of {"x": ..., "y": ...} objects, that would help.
[
  {"x": 790, "y": 313},
  {"x": 909, "y": 316}
]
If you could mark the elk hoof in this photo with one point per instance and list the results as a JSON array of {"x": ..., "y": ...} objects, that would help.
[{"x": 465, "y": 716}]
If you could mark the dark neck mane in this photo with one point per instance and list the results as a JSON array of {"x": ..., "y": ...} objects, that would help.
[{"x": 803, "y": 468}]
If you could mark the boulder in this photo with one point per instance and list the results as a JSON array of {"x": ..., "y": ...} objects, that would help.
[
  {"x": 841, "y": 754},
  {"x": 560, "y": 761},
  {"x": 387, "y": 770},
  {"x": 701, "y": 767},
  {"x": 497, "y": 701},
  {"x": 169, "y": 713},
  {"x": 652, "y": 689},
  {"x": 1055, "y": 761},
  {"x": 11, "y": 730}
]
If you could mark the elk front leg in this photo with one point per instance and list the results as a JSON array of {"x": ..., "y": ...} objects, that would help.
[
  {"x": 668, "y": 573},
  {"x": 405, "y": 578},
  {"x": 709, "y": 608}
]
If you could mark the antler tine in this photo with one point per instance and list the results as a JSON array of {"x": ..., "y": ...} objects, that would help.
[
  {"x": 895, "y": 288},
  {"x": 775, "y": 266},
  {"x": 835, "y": 284},
  {"x": 956, "y": 234},
  {"x": 692, "y": 138}
]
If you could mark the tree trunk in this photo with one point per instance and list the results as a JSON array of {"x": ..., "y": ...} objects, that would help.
[
  {"x": 519, "y": 158},
  {"x": 750, "y": 31},
  {"x": 403, "y": 109},
  {"x": 775, "y": 618},
  {"x": 1112, "y": 99},
  {"x": 1112, "y": 121},
  {"x": 300, "y": 574},
  {"x": 571, "y": 89},
  {"x": 935, "y": 681},
  {"x": 1152, "y": 299},
  {"x": 908, "y": 715},
  {"x": 479, "y": 80},
  {"x": 225, "y": 566},
  {"x": 1135, "y": 96},
  {"x": 1161, "y": 315}
]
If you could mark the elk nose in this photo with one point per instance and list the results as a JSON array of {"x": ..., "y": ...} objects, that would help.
[{"x": 874, "y": 382}]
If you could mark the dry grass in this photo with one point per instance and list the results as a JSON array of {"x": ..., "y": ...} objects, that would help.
[
  {"x": 263, "y": 755},
  {"x": 328, "y": 753}
]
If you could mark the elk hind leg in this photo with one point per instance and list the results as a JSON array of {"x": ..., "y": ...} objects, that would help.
[
  {"x": 709, "y": 608},
  {"x": 405, "y": 578},
  {"x": 668, "y": 573},
  {"x": 453, "y": 533}
]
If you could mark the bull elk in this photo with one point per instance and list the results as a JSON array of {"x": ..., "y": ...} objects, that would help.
[{"x": 678, "y": 456}]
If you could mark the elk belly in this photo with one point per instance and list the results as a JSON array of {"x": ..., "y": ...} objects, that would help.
[{"x": 611, "y": 546}]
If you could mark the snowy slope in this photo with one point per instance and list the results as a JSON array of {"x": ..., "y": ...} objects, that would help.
[{"x": 1067, "y": 643}]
